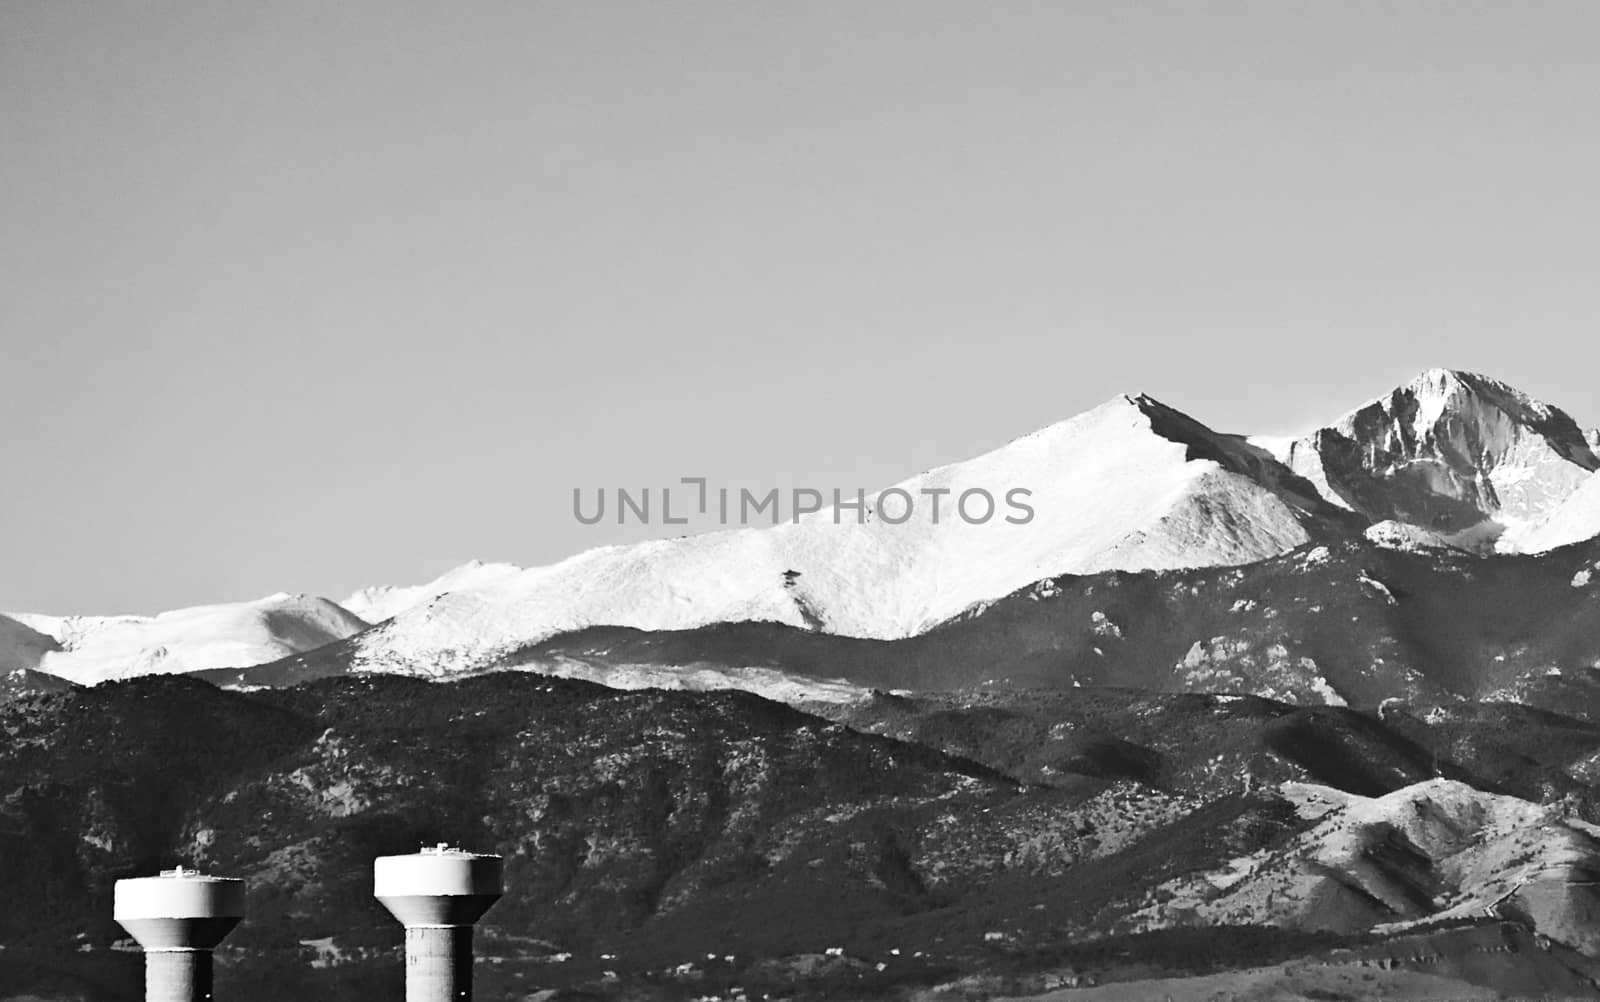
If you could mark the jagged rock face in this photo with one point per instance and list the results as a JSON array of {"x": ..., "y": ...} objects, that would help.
[{"x": 1449, "y": 452}]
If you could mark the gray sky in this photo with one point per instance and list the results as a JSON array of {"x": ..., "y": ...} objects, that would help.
[{"x": 307, "y": 296}]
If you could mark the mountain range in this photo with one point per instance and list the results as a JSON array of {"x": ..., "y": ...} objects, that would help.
[
  {"x": 1306, "y": 718},
  {"x": 1449, "y": 466}
]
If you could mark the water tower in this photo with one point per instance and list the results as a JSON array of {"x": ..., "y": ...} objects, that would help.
[
  {"x": 438, "y": 894},
  {"x": 178, "y": 918}
]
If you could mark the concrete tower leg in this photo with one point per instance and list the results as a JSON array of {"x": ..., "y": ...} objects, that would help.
[
  {"x": 439, "y": 963},
  {"x": 177, "y": 976}
]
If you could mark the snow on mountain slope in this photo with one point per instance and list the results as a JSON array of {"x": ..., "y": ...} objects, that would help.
[
  {"x": 21, "y": 646},
  {"x": 778, "y": 686},
  {"x": 1574, "y": 520},
  {"x": 1433, "y": 850},
  {"x": 1455, "y": 453},
  {"x": 382, "y": 602},
  {"x": 1451, "y": 461},
  {"x": 1401, "y": 536},
  {"x": 100, "y": 648},
  {"x": 1131, "y": 484}
]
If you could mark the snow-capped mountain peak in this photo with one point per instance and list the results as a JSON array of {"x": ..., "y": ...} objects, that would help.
[
  {"x": 1476, "y": 398},
  {"x": 99, "y": 648},
  {"x": 381, "y": 602},
  {"x": 1131, "y": 484},
  {"x": 1454, "y": 453},
  {"x": 1450, "y": 459}
]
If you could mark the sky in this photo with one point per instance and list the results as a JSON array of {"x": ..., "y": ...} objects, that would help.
[{"x": 305, "y": 297}]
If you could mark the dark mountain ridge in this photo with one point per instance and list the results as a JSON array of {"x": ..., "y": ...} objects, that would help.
[{"x": 645, "y": 830}]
